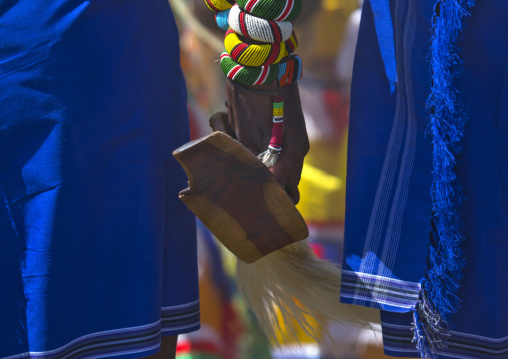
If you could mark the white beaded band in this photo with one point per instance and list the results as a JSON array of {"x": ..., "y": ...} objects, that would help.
[{"x": 259, "y": 29}]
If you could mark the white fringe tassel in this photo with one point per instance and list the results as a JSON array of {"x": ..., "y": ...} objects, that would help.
[
  {"x": 269, "y": 159},
  {"x": 297, "y": 283}
]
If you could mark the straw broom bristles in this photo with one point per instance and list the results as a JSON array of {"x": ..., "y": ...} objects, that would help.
[{"x": 297, "y": 283}]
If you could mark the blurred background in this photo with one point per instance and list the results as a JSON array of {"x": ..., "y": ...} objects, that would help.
[{"x": 327, "y": 32}]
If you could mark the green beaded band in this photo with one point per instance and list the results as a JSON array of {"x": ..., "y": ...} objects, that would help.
[
  {"x": 247, "y": 75},
  {"x": 278, "y": 10}
]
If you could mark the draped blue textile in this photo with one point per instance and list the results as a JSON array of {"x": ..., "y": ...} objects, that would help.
[
  {"x": 388, "y": 202},
  {"x": 389, "y": 167},
  {"x": 98, "y": 254}
]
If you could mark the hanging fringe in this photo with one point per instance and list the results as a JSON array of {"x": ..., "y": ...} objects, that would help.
[
  {"x": 438, "y": 300},
  {"x": 270, "y": 157},
  {"x": 299, "y": 285},
  {"x": 430, "y": 331}
]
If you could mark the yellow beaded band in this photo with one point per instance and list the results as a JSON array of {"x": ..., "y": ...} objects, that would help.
[
  {"x": 253, "y": 55},
  {"x": 219, "y": 5}
]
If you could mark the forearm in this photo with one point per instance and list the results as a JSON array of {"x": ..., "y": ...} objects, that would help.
[{"x": 264, "y": 110}]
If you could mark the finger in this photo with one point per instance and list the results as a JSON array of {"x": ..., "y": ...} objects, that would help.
[
  {"x": 250, "y": 114},
  {"x": 288, "y": 179},
  {"x": 219, "y": 122},
  {"x": 293, "y": 193}
]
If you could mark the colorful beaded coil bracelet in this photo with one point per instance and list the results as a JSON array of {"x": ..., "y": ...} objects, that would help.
[
  {"x": 257, "y": 28},
  {"x": 253, "y": 55},
  {"x": 279, "y": 10},
  {"x": 287, "y": 71},
  {"x": 247, "y": 75}
]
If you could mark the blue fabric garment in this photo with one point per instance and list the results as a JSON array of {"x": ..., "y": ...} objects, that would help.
[
  {"x": 388, "y": 203},
  {"x": 98, "y": 254},
  {"x": 389, "y": 167}
]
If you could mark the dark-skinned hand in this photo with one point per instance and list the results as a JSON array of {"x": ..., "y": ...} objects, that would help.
[{"x": 249, "y": 120}]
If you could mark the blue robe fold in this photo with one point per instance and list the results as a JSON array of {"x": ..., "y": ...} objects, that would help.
[
  {"x": 98, "y": 254},
  {"x": 388, "y": 200}
]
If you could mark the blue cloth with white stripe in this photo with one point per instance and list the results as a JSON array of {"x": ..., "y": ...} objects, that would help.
[
  {"x": 98, "y": 254},
  {"x": 388, "y": 201}
]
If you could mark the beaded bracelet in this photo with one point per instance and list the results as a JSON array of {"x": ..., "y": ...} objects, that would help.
[
  {"x": 279, "y": 10},
  {"x": 271, "y": 155},
  {"x": 219, "y": 5},
  {"x": 257, "y": 28},
  {"x": 287, "y": 71},
  {"x": 247, "y": 75},
  {"x": 290, "y": 70},
  {"x": 253, "y": 54}
]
